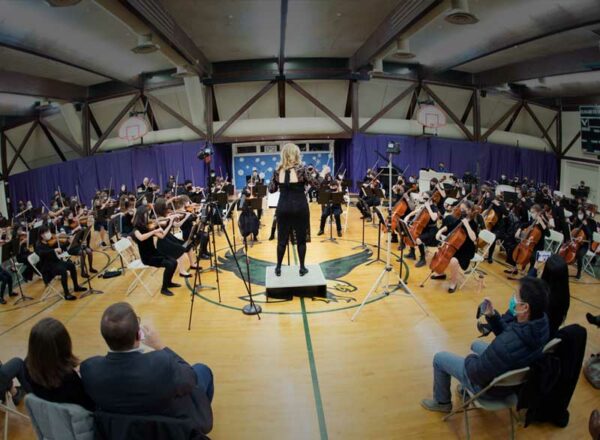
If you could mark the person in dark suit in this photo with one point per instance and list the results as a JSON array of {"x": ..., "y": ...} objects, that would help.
[{"x": 158, "y": 383}]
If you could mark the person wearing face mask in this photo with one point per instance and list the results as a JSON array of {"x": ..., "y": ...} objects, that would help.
[
  {"x": 539, "y": 221},
  {"x": 503, "y": 180},
  {"x": 123, "y": 191},
  {"x": 51, "y": 265},
  {"x": 497, "y": 205},
  {"x": 463, "y": 255},
  {"x": 427, "y": 237},
  {"x": 582, "y": 222},
  {"x": 517, "y": 345}
]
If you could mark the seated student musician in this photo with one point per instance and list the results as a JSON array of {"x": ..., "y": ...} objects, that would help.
[
  {"x": 539, "y": 222},
  {"x": 587, "y": 227},
  {"x": 6, "y": 285},
  {"x": 73, "y": 227},
  {"x": 158, "y": 383},
  {"x": 463, "y": 255},
  {"x": 516, "y": 345},
  {"x": 51, "y": 265},
  {"x": 427, "y": 237},
  {"x": 150, "y": 256},
  {"x": 329, "y": 184}
]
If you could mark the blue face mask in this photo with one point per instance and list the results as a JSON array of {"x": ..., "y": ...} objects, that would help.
[{"x": 512, "y": 304}]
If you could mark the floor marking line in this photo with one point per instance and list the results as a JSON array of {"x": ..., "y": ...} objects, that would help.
[{"x": 313, "y": 374}]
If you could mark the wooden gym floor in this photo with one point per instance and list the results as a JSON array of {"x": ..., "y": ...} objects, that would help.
[{"x": 305, "y": 371}]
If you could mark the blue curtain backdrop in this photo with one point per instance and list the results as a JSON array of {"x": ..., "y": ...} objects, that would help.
[{"x": 130, "y": 166}]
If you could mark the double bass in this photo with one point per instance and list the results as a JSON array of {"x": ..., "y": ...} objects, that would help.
[{"x": 569, "y": 249}]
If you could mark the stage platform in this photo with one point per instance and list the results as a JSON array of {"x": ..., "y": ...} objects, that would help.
[{"x": 290, "y": 283}]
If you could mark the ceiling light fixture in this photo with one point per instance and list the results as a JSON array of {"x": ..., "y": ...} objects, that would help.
[
  {"x": 183, "y": 72},
  {"x": 145, "y": 45},
  {"x": 62, "y": 3},
  {"x": 403, "y": 49},
  {"x": 459, "y": 13}
]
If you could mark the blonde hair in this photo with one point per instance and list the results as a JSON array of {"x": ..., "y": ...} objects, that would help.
[{"x": 290, "y": 157}]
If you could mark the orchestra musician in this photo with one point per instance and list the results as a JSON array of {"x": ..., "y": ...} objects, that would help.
[
  {"x": 78, "y": 249},
  {"x": 290, "y": 178},
  {"x": 101, "y": 217},
  {"x": 497, "y": 205},
  {"x": 463, "y": 255},
  {"x": 587, "y": 227},
  {"x": 539, "y": 222},
  {"x": 329, "y": 184},
  {"x": 143, "y": 235},
  {"x": 191, "y": 225},
  {"x": 428, "y": 235},
  {"x": 51, "y": 265},
  {"x": 170, "y": 245}
]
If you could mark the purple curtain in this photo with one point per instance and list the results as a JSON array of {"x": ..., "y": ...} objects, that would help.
[
  {"x": 157, "y": 162},
  {"x": 114, "y": 168},
  {"x": 488, "y": 161}
]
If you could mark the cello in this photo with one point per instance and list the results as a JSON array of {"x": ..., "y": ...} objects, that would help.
[
  {"x": 569, "y": 250},
  {"x": 419, "y": 224},
  {"x": 400, "y": 209},
  {"x": 532, "y": 236},
  {"x": 450, "y": 246}
]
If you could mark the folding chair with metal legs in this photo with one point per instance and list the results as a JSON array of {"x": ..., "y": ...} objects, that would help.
[
  {"x": 138, "y": 279},
  {"x": 49, "y": 290},
  {"x": 9, "y": 408}
]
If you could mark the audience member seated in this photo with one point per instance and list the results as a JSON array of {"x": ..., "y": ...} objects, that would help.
[
  {"x": 51, "y": 367},
  {"x": 517, "y": 345},
  {"x": 556, "y": 275},
  {"x": 8, "y": 372},
  {"x": 49, "y": 370},
  {"x": 128, "y": 381}
]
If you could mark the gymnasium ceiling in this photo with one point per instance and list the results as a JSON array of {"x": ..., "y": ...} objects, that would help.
[{"x": 542, "y": 50}]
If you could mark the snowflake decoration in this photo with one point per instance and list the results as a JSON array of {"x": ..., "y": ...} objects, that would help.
[
  {"x": 262, "y": 163},
  {"x": 257, "y": 160},
  {"x": 241, "y": 159},
  {"x": 261, "y": 175},
  {"x": 240, "y": 173}
]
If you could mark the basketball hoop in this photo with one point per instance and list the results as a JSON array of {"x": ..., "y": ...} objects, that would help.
[
  {"x": 133, "y": 128},
  {"x": 429, "y": 116}
]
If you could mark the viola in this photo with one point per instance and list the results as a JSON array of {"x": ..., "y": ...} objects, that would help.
[
  {"x": 569, "y": 250},
  {"x": 436, "y": 197}
]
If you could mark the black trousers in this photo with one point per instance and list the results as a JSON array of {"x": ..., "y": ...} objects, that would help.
[
  {"x": 14, "y": 368},
  {"x": 579, "y": 258},
  {"x": 170, "y": 264},
  {"x": 288, "y": 222},
  {"x": 327, "y": 211},
  {"x": 5, "y": 280},
  {"x": 60, "y": 269}
]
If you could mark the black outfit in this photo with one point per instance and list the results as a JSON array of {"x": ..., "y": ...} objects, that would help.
[
  {"x": 151, "y": 257},
  {"x": 465, "y": 253},
  {"x": 552, "y": 380},
  {"x": 22, "y": 258},
  {"x": 558, "y": 306},
  {"x": 50, "y": 266},
  {"x": 156, "y": 383},
  {"x": 5, "y": 281},
  {"x": 292, "y": 212},
  {"x": 328, "y": 210},
  {"x": 585, "y": 245},
  {"x": 70, "y": 391},
  {"x": 14, "y": 368}
]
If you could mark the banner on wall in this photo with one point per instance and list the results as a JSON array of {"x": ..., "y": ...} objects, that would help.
[{"x": 264, "y": 158}]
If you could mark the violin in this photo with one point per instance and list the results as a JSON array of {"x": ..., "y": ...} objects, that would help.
[
  {"x": 58, "y": 238},
  {"x": 448, "y": 248},
  {"x": 569, "y": 250}
]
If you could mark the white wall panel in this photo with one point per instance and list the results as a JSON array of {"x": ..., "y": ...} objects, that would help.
[{"x": 331, "y": 93}]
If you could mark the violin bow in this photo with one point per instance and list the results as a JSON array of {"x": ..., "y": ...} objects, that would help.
[{"x": 193, "y": 180}]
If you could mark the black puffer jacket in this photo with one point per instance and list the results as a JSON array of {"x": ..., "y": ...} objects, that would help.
[{"x": 516, "y": 345}]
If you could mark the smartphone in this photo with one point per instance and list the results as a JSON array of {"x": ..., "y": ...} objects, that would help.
[
  {"x": 542, "y": 256},
  {"x": 482, "y": 307}
]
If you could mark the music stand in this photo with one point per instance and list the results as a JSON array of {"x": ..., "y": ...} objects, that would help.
[
  {"x": 328, "y": 198},
  {"x": 510, "y": 197},
  {"x": 381, "y": 222},
  {"x": 82, "y": 237}
]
